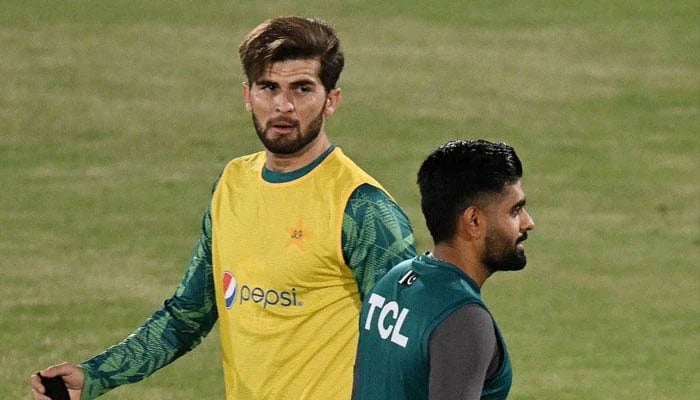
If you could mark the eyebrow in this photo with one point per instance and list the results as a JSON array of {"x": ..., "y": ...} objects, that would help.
[
  {"x": 265, "y": 82},
  {"x": 519, "y": 204},
  {"x": 297, "y": 83},
  {"x": 304, "y": 82}
]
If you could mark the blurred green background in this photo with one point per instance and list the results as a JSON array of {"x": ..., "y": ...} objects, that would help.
[{"x": 116, "y": 118}]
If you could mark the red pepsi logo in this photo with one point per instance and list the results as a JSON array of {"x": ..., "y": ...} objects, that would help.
[{"x": 230, "y": 285}]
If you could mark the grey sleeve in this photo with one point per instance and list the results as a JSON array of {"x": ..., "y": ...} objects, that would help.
[{"x": 461, "y": 350}]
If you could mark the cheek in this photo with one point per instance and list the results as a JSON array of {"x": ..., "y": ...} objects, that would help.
[
  {"x": 260, "y": 110},
  {"x": 258, "y": 106},
  {"x": 309, "y": 112},
  {"x": 514, "y": 227},
  {"x": 260, "y": 100}
]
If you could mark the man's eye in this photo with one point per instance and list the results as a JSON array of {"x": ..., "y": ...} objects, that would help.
[{"x": 304, "y": 89}]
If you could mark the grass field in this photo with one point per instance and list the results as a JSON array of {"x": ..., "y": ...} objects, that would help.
[{"x": 116, "y": 117}]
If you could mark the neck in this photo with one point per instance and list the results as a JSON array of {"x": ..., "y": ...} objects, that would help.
[
  {"x": 292, "y": 162},
  {"x": 463, "y": 258}
]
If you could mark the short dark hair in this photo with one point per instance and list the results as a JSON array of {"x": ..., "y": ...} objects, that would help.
[
  {"x": 459, "y": 174},
  {"x": 292, "y": 38}
]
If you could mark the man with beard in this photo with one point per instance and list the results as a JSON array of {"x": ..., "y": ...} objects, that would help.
[
  {"x": 294, "y": 237},
  {"x": 425, "y": 332}
]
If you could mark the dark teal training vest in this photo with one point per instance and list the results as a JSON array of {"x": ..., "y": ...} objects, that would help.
[{"x": 396, "y": 321}]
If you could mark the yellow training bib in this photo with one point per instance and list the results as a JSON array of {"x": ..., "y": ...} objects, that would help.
[{"x": 288, "y": 304}]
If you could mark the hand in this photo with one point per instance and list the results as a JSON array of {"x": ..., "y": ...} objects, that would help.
[{"x": 71, "y": 374}]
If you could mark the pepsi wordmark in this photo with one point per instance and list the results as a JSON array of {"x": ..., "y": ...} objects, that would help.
[{"x": 268, "y": 297}]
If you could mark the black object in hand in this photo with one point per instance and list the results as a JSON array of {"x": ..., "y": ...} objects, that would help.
[{"x": 55, "y": 388}]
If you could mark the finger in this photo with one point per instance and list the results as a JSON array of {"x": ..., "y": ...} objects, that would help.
[
  {"x": 35, "y": 382},
  {"x": 38, "y": 396},
  {"x": 49, "y": 372},
  {"x": 57, "y": 370}
]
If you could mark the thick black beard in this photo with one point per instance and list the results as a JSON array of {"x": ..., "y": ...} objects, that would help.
[
  {"x": 500, "y": 258},
  {"x": 286, "y": 147},
  {"x": 514, "y": 261}
]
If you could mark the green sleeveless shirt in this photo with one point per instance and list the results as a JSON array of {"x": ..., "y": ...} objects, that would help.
[{"x": 396, "y": 322}]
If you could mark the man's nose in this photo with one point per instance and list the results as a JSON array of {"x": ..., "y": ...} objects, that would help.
[
  {"x": 283, "y": 102},
  {"x": 529, "y": 222}
]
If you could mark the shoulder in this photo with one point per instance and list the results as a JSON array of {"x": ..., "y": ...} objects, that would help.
[
  {"x": 371, "y": 207},
  {"x": 245, "y": 161},
  {"x": 467, "y": 320},
  {"x": 466, "y": 334},
  {"x": 367, "y": 192},
  {"x": 470, "y": 330},
  {"x": 370, "y": 198},
  {"x": 250, "y": 164}
]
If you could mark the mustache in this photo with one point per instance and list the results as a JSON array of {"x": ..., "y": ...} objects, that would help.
[
  {"x": 283, "y": 121},
  {"x": 522, "y": 238}
]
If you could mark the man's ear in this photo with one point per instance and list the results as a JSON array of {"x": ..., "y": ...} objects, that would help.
[
  {"x": 246, "y": 96},
  {"x": 473, "y": 222},
  {"x": 332, "y": 101}
]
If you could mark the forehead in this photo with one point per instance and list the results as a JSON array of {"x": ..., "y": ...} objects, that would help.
[
  {"x": 292, "y": 70},
  {"x": 509, "y": 196},
  {"x": 515, "y": 189},
  {"x": 513, "y": 193}
]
